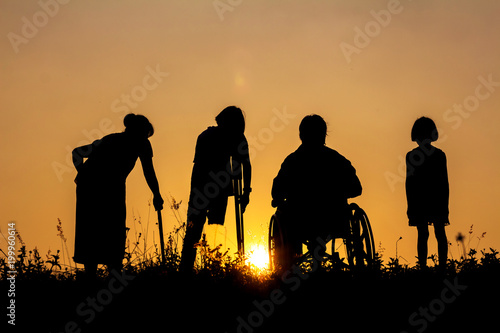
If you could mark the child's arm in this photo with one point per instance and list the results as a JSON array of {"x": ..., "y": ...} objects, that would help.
[
  {"x": 445, "y": 185},
  {"x": 410, "y": 181}
]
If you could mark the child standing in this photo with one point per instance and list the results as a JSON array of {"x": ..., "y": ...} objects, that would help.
[{"x": 427, "y": 189}]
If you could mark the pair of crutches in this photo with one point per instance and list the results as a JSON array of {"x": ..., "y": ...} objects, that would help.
[{"x": 236, "y": 180}]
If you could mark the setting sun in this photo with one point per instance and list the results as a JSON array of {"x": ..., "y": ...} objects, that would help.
[
  {"x": 259, "y": 257},
  {"x": 137, "y": 240}
]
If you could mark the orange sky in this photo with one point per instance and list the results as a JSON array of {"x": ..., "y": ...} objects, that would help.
[{"x": 71, "y": 71}]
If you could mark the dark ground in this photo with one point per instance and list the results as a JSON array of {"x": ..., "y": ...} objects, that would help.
[{"x": 313, "y": 302}]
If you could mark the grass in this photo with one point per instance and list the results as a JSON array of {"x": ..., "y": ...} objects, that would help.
[{"x": 225, "y": 294}]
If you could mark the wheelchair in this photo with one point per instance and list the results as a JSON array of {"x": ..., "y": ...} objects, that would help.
[{"x": 357, "y": 239}]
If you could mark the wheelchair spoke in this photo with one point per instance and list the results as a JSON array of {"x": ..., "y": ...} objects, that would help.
[{"x": 358, "y": 245}]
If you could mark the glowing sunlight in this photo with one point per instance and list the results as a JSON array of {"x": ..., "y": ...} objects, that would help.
[{"x": 258, "y": 257}]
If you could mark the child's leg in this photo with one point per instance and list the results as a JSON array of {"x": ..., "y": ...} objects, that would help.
[
  {"x": 442, "y": 244},
  {"x": 423, "y": 236}
]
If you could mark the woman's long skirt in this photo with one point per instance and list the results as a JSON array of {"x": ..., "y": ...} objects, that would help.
[{"x": 100, "y": 231}]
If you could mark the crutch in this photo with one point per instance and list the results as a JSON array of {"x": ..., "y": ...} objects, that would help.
[
  {"x": 236, "y": 177},
  {"x": 162, "y": 242}
]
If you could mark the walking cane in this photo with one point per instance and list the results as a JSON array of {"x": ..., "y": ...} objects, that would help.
[
  {"x": 162, "y": 243},
  {"x": 237, "y": 190}
]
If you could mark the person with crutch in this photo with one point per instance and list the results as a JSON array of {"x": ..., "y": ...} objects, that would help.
[{"x": 221, "y": 160}]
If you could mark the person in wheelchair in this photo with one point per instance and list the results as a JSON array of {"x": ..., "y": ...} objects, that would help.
[{"x": 312, "y": 188}]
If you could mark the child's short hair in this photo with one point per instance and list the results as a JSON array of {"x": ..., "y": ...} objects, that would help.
[{"x": 424, "y": 129}]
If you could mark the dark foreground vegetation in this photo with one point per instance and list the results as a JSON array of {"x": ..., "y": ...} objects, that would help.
[{"x": 225, "y": 295}]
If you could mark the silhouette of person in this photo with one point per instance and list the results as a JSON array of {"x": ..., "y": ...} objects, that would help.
[
  {"x": 211, "y": 177},
  {"x": 312, "y": 188},
  {"x": 427, "y": 189},
  {"x": 100, "y": 231}
]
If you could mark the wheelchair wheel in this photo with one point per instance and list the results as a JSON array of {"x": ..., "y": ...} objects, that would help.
[
  {"x": 279, "y": 250},
  {"x": 360, "y": 246}
]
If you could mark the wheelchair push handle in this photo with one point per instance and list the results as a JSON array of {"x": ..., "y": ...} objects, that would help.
[{"x": 277, "y": 203}]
